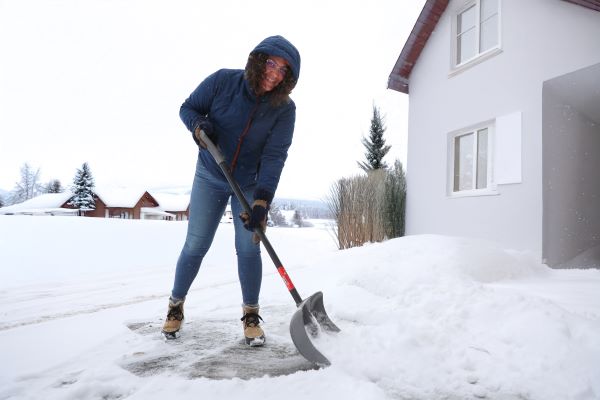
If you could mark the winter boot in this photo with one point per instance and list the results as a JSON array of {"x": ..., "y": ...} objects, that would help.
[
  {"x": 174, "y": 319},
  {"x": 252, "y": 331}
]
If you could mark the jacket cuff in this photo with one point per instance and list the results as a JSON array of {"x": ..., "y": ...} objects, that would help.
[
  {"x": 195, "y": 138},
  {"x": 262, "y": 194}
]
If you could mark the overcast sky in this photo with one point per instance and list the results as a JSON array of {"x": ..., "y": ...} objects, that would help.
[{"x": 101, "y": 81}]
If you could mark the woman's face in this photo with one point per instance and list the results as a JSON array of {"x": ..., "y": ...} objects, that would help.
[{"x": 275, "y": 70}]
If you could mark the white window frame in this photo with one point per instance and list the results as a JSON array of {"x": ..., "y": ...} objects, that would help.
[
  {"x": 491, "y": 187},
  {"x": 455, "y": 66}
]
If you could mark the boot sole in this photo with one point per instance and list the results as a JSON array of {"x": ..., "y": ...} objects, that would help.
[
  {"x": 255, "y": 342},
  {"x": 170, "y": 335}
]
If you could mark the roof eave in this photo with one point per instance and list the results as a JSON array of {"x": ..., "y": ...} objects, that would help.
[
  {"x": 591, "y": 4},
  {"x": 430, "y": 14}
]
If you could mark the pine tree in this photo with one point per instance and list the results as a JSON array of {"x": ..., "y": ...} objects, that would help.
[
  {"x": 83, "y": 185},
  {"x": 395, "y": 201},
  {"x": 297, "y": 218},
  {"x": 375, "y": 144}
]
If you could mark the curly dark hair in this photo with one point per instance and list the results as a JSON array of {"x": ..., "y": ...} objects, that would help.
[{"x": 255, "y": 69}]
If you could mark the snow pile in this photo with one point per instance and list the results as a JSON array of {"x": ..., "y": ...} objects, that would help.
[
  {"x": 428, "y": 326},
  {"x": 422, "y": 317}
]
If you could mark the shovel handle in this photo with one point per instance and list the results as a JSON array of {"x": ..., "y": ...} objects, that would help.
[{"x": 218, "y": 156}]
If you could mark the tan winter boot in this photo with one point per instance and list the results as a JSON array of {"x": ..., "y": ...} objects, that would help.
[
  {"x": 252, "y": 331},
  {"x": 174, "y": 319}
]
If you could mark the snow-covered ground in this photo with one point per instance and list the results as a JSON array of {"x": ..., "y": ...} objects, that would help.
[{"x": 422, "y": 317}]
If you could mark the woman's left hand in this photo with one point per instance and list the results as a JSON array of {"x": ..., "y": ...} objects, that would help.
[{"x": 258, "y": 218}]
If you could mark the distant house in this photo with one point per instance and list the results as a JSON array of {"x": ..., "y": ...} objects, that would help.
[
  {"x": 227, "y": 217},
  {"x": 504, "y": 124},
  {"x": 124, "y": 203},
  {"x": 177, "y": 205}
]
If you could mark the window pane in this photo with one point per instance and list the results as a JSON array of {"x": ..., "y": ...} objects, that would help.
[
  {"x": 466, "y": 40},
  {"x": 466, "y": 46},
  {"x": 463, "y": 162},
  {"x": 482, "y": 158},
  {"x": 466, "y": 20},
  {"x": 488, "y": 8},
  {"x": 489, "y": 34}
]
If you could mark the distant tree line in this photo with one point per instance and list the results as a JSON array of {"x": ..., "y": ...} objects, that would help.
[
  {"x": 276, "y": 217},
  {"x": 309, "y": 209}
]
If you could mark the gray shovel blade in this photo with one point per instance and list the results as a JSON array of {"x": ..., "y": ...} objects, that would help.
[{"x": 308, "y": 320}]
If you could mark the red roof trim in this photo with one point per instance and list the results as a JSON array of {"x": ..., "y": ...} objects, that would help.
[
  {"x": 591, "y": 4},
  {"x": 431, "y": 13}
]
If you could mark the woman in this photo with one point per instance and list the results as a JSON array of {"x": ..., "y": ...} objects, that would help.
[{"x": 249, "y": 115}]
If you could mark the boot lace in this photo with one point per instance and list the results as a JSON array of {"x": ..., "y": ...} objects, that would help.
[
  {"x": 175, "y": 313},
  {"x": 251, "y": 319}
]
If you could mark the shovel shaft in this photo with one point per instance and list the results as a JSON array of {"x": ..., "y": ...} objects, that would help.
[{"x": 216, "y": 153}]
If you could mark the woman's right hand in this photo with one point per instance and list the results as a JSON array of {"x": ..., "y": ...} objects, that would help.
[{"x": 207, "y": 127}]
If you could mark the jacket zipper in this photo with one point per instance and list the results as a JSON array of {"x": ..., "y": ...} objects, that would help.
[{"x": 242, "y": 136}]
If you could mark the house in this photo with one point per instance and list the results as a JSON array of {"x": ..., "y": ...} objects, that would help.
[
  {"x": 177, "y": 205},
  {"x": 504, "y": 124},
  {"x": 227, "y": 217},
  {"x": 124, "y": 203}
]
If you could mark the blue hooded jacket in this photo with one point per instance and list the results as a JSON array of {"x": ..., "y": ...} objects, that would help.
[{"x": 241, "y": 119}]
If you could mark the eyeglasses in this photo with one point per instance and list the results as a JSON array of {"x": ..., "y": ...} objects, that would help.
[{"x": 272, "y": 65}]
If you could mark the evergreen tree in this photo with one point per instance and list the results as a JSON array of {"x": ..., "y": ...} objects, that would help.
[
  {"x": 375, "y": 144},
  {"x": 83, "y": 185},
  {"x": 276, "y": 216},
  {"x": 395, "y": 201},
  {"x": 1, "y": 202},
  {"x": 54, "y": 186},
  {"x": 298, "y": 219},
  {"x": 28, "y": 187}
]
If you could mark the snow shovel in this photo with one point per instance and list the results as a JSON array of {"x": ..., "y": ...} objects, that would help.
[{"x": 310, "y": 316}]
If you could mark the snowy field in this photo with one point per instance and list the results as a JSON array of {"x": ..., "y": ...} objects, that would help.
[{"x": 422, "y": 317}]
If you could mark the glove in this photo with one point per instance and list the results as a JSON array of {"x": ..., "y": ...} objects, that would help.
[
  {"x": 206, "y": 126},
  {"x": 258, "y": 218}
]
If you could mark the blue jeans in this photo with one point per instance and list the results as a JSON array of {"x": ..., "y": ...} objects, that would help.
[{"x": 208, "y": 201}]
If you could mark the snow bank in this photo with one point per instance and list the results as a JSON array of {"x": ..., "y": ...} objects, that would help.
[{"x": 422, "y": 317}]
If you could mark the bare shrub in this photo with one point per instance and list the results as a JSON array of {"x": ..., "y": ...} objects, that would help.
[{"x": 368, "y": 208}]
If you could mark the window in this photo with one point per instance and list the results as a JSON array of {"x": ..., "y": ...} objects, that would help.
[
  {"x": 484, "y": 156},
  {"x": 471, "y": 161},
  {"x": 476, "y": 30}
]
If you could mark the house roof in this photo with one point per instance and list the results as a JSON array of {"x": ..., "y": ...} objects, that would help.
[
  {"x": 591, "y": 4},
  {"x": 110, "y": 196},
  {"x": 44, "y": 201},
  {"x": 172, "y": 202},
  {"x": 156, "y": 211},
  {"x": 121, "y": 197},
  {"x": 426, "y": 22}
]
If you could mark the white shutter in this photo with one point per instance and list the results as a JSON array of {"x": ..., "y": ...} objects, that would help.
[{"x": 507, "y": 160}]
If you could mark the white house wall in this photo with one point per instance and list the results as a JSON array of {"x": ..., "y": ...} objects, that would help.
[{"x": 540, "y": 39}]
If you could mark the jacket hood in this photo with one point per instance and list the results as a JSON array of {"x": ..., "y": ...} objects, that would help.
[{"x": 281, "y": 47}]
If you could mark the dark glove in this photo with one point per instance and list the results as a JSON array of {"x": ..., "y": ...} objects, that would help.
[
  {"x": 206, "y": 126},
  {"x": 258, "y": 218}
]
